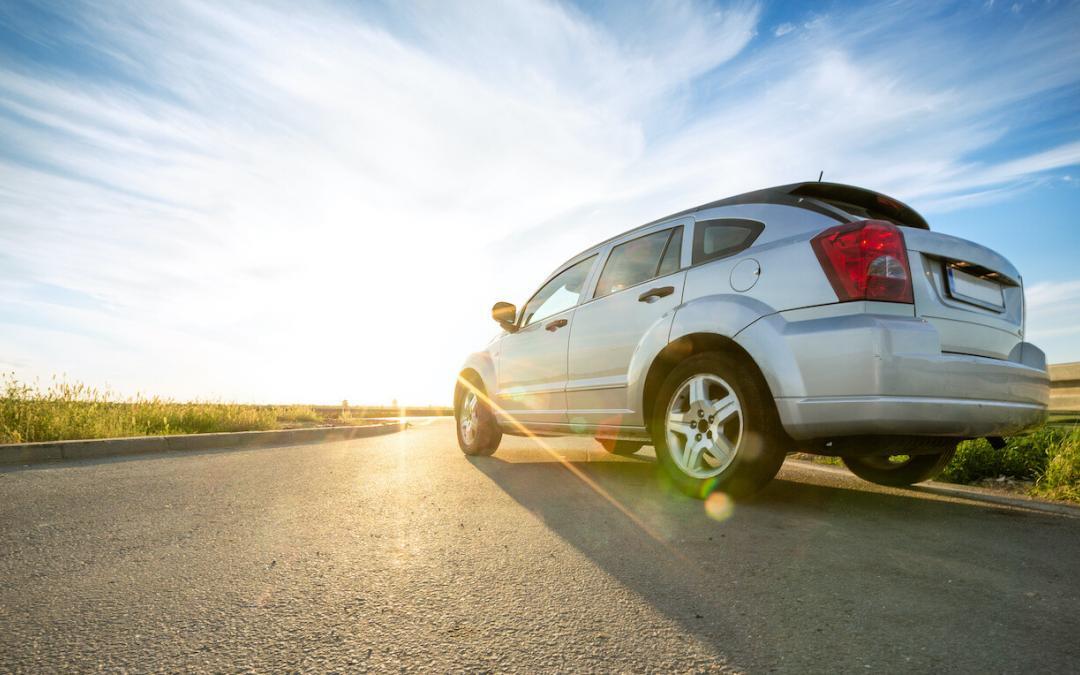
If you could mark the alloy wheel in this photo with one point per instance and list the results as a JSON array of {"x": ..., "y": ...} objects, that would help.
[
  {"x": 704, "y": 426},
  {"x": 470, "y": 419}
]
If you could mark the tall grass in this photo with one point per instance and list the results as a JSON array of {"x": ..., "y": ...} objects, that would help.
[
  {"x": 1061, "y": 477},
  {"x": 1048, "y": 456},
  {"x": 1023, "y": 457},
  {"x": 1048, "y": 459},
  {"x": 66, "y": 411},
  {"x": 297, "y": 413}
]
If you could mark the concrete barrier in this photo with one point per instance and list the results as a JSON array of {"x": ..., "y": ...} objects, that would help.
[{"x": 30, "y": 453}]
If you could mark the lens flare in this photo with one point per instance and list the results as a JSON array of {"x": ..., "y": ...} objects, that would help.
[
  {"x": 593, "y": 485},
  {"x": 719, "y": 506}
]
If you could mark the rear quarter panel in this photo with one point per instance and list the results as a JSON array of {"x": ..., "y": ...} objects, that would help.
[{"x": 790, "y": 277}]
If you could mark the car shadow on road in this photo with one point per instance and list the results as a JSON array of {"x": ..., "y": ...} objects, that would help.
[{"x": 808, "y": 572}]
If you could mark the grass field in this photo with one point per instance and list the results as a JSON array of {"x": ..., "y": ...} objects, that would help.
[{"x": 66, "y": 411}]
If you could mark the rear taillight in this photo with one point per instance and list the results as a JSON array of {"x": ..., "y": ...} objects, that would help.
[{"x": 865, "y": 260}]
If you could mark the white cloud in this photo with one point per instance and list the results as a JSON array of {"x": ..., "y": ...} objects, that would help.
[
  {"x": 310, "y": 208},
  {"x": 324, "y": 206},
  {"x": 1053, "y": 319},
  {"x": 783, "y": 29}
]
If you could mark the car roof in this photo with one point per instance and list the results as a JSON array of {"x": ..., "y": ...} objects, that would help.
[
  {"x": 825, "y": 198},
  {"x": 824, "y": 195},
  {"x": 832, "y": 193}
]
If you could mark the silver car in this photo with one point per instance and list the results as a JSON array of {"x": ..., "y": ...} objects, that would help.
[{"x": 817, "y": 317}]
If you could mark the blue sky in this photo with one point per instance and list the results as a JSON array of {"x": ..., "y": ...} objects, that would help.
[{"x": 247, "y": 201}]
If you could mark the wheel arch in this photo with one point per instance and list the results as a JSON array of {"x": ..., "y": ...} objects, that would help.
[
  {"x": 721, "y": 315},
  {"x": 466, "y": 375},
  {"x": 479, "y": 370},
  {"x": 683, "y": 348}
]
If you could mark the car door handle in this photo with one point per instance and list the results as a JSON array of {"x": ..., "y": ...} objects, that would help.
[
  {"x": 556, "y": 325},
  {"x": 656, "y": 293}
]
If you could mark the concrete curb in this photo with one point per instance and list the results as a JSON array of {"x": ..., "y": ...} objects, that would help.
[
  {"x": 31, "y": 453},
  {"x": 968, "y": 492}
]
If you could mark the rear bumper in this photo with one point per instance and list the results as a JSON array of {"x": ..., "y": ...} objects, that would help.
[
  {"x": 885, "y": 374},
  {"x": 824, "y": 417}
]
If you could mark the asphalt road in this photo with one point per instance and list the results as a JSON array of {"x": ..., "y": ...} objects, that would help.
[{"x": 399, "y": 553}]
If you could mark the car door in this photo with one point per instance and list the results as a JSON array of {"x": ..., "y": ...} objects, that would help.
[
  {"x": 532, "y": 360},
  {"x": 639, "y": 286}
]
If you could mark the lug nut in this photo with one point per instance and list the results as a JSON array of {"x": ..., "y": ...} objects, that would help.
[
  {"x": 711, "y": 418},
  {"x": 709, "y": 434},
  {"x": 698, "y": 438},
  {"x": 701, "y": 413}
]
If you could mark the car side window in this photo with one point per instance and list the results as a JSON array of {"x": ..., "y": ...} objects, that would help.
[
  {"x": 720, "y": 238},
  {"x": 639, "y": 260},
  {"x": 559, "y": 294}
]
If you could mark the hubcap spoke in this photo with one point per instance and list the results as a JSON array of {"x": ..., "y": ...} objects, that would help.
[
  {"x": 693, "y": 455},
  {"x": 469, "y": 418},
  {"x": 698, "y": 392},
  {"x": 725, "y": 408},
  {"x": 721, "y": 448},
  {"x": 680, "y": 425}
]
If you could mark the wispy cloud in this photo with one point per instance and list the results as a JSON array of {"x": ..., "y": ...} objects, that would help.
[
  {"x": 1053, "y": 318},
  {"x": 244, "y": 195}
]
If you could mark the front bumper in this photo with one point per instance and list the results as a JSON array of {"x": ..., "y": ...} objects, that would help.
[{"x": 871, "y": 374}]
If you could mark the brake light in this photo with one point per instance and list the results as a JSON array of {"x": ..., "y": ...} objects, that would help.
[{"x": 865, "y": 260}]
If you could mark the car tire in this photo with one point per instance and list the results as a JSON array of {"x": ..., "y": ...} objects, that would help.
[
  {"x": 478, "y": 433},
  {"x": 885, "y": 471},
  {"x": 695, "y": 458},
  {"x": 620, "y": 446}
]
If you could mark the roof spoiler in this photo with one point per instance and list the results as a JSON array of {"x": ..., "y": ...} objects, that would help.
[{"x": 869, "y": 203}]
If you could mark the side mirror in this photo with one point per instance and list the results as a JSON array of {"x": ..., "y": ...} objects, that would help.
[{"x": 505, "y": 314}]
